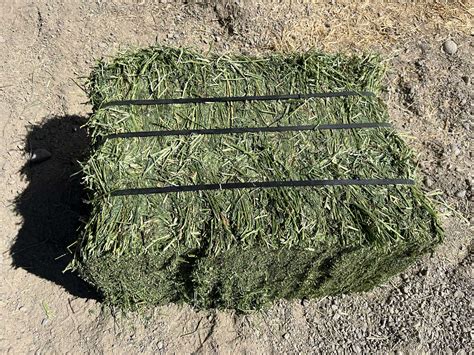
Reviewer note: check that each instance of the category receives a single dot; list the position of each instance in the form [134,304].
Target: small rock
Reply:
[22,309]
[450,47]
[103,45]
[286,336]
[160,345]
[428,181]
[455,150]
[40,155]
[406,289]
[460,194]
[466,79]
[45,321]
[305,302]
[458,294]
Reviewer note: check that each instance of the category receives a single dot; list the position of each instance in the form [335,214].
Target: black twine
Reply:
[189,132]
[261,184]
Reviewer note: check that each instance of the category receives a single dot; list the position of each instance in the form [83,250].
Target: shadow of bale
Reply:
[52,205]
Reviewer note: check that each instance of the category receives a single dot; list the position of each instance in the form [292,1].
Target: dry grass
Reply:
[347,25]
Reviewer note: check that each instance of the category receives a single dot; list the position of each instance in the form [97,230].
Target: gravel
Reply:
[428,182]
[455,149]
[450,47]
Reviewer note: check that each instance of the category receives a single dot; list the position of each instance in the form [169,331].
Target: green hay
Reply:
[243,249]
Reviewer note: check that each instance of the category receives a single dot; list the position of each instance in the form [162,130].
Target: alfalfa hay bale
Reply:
[243,248]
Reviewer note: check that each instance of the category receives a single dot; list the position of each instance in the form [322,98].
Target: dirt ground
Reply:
[46,46]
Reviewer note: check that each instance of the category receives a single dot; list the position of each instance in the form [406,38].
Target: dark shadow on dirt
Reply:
[52,205]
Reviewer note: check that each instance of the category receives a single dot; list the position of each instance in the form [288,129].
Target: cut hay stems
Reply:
[245,248]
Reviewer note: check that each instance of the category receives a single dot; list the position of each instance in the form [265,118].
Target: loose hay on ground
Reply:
[245,248]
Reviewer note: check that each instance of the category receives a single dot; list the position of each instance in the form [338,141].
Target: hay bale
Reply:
[244,248]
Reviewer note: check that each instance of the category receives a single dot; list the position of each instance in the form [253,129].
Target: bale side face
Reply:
[245,248]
